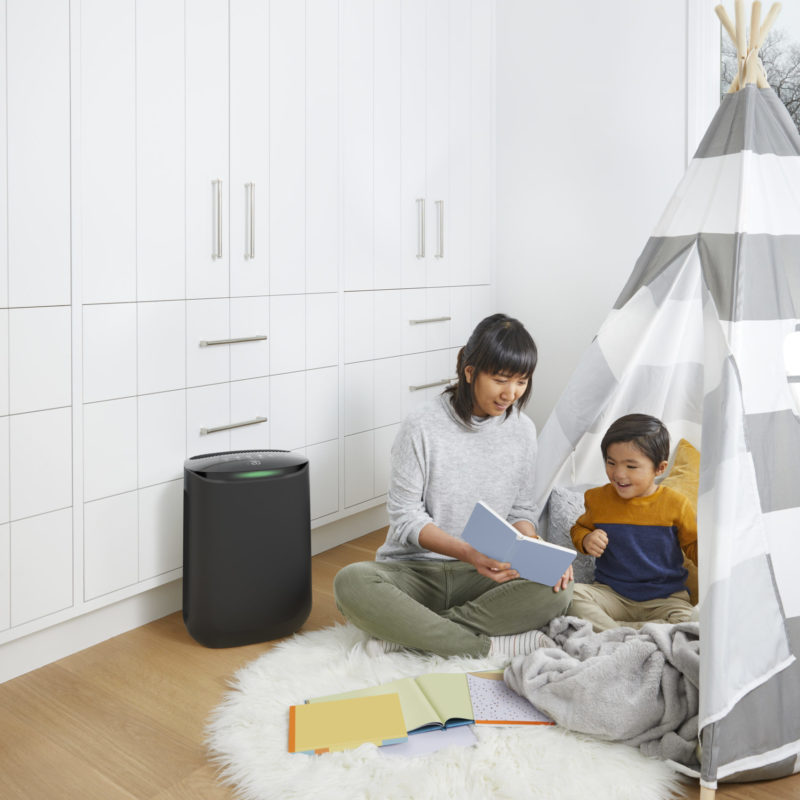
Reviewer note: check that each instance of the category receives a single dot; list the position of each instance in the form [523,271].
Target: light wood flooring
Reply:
[124,720]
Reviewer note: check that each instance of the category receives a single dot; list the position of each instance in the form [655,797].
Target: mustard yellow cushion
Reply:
[684,478]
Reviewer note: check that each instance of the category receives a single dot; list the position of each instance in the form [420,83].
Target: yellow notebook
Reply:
[345,724]
[429,702]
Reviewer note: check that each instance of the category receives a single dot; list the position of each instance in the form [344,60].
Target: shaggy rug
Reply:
[247,737]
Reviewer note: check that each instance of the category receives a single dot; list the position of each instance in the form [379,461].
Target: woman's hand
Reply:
[565,580]
[595,543]
[498,571]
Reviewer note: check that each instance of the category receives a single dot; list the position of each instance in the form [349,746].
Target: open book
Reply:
[495,703]
[534,559]
[346,724]
[429,702]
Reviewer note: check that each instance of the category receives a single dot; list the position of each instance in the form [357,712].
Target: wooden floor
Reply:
[125,719]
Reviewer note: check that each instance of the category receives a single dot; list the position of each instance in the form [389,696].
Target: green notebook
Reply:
[429,702]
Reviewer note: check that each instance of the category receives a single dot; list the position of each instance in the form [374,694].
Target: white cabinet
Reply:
[207,99]
[37,54]
[214,243]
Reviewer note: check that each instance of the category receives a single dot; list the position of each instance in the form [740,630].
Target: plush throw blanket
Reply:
[639,687]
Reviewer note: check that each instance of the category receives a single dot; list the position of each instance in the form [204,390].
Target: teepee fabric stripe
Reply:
[736,193]
[735,128]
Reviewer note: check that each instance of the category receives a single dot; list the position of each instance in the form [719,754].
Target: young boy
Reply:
[637,531]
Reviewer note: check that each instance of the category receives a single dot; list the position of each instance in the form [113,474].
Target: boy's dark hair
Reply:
[498,345]
[648,433]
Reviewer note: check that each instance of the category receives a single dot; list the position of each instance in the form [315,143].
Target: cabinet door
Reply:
[40,462]
[110,544]
[387,126]
[41,566]
[481,149]
[287,147]
[249,320]
[322,405]
[208,415]
[109,448]
[208,245]
[160,150]
[108,150]
[287,333]
[250,404]
[357,143]
[207,323]
[323,478]
[161,437]
[160,529]
[437,96]
[109,351]
[416,243]
[322,330]
[38,156]
[287,405]
[5,576]
[249,148]
[40,374]
[161,346]
[359,461]
[322,208]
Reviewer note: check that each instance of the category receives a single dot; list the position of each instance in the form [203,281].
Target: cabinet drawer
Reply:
[41,566]
[207,322]
[110,544]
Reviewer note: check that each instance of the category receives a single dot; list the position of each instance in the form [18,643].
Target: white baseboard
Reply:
[43,647]
[58,641]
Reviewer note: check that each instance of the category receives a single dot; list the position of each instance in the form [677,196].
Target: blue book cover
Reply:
[534,559]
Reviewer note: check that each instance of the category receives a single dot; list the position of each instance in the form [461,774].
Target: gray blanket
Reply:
[639,687]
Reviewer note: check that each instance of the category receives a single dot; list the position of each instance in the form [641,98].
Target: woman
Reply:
[429,589]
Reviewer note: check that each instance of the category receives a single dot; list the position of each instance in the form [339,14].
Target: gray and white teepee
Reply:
[697,338]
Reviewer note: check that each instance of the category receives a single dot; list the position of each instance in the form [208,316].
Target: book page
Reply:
[494,703]
[448,693]
[345,724]
[417,710]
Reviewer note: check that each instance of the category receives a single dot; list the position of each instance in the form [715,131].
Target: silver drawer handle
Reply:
[440,229]
[216,250]
[426,321]
[212,342]
[250,189]
[256,421]
[430,385]
[420,227]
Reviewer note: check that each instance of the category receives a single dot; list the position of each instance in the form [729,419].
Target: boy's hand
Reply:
[595,543]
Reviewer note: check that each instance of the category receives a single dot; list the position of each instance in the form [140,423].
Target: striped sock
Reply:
[519,644]
[375,647]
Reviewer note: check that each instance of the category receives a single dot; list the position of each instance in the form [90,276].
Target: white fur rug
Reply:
[248,737]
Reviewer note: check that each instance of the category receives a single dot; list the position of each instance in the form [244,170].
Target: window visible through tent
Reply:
[780,54]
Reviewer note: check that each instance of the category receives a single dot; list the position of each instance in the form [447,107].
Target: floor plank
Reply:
[124,720]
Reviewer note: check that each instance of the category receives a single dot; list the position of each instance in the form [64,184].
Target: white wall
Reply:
[595,121]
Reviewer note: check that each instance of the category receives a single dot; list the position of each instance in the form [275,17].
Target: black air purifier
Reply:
[246,546]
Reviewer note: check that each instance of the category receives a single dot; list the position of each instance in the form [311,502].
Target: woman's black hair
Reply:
[498,345]
[648,433]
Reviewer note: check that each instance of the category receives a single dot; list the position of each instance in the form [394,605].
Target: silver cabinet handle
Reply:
[250,249]
[443,382]
[426,321]
[216,250]
[212,342]
[256,421]
[420,227]
[440,229]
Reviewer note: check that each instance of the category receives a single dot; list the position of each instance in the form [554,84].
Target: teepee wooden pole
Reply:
[768,22]
[726,21]
[707,794]
[755,25]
